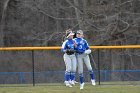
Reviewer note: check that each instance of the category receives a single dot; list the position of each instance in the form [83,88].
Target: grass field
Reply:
[61,88]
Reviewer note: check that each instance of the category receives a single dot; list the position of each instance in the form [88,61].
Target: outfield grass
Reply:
[61,88]
[121,83]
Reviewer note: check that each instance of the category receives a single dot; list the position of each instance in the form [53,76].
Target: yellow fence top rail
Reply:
[58,47]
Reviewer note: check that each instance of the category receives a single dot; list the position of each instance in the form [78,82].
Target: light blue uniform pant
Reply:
[71,65]
[70,62]
[83,58]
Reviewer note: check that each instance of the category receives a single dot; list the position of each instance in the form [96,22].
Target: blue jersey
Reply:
[68,44]
[82,45]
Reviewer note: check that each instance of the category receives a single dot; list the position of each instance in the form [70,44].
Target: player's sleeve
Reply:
[63,48]
[75,48]
[75,45]
[86,45]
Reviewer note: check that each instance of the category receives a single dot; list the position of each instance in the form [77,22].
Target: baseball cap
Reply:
[80,32]
[70,34]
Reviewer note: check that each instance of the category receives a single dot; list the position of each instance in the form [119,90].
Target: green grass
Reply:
[121,83]
[61,88]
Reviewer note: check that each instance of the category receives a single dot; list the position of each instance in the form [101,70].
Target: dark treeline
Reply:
[43,23]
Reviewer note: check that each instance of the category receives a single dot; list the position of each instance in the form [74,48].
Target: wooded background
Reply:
[43,23]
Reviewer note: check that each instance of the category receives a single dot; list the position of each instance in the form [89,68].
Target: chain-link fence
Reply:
[42,67]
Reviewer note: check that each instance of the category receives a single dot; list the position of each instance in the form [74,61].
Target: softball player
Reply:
[82,51]
[68,47]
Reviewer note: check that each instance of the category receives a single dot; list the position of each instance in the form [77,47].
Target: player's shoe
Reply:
[93,82]
[82,86]
[67,84]
[75,82]
[72,82]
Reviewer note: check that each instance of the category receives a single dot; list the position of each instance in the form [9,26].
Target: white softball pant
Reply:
[70,62]
[83,58]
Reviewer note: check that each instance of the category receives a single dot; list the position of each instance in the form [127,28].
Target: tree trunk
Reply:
[2,22]
[116,62]
[77,12]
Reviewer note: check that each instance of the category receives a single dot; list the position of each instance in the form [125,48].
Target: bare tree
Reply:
[43,23]
[2,21]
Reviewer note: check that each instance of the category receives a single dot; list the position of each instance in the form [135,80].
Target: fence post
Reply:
[33,72]
[99,65]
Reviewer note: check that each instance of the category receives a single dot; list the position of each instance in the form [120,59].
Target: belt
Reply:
[79,53]
[69,53]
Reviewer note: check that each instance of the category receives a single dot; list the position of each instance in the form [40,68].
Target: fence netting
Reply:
[44,67]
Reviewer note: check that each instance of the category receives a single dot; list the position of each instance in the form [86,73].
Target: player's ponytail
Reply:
[63,38]
[74,35]
[66,34]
